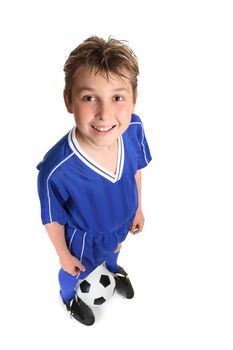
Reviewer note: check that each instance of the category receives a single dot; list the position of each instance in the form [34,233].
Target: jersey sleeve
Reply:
[52,199]
[143,151]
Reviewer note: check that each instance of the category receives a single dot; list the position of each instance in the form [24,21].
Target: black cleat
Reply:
[123,284]
[80,311]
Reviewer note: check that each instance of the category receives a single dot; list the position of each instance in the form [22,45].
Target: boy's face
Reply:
[102,107]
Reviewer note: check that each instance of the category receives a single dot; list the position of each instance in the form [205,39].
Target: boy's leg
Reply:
[77,308]
[111,262]
[123,284]
[67,285]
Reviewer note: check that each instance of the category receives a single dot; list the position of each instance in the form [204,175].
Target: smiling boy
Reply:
[90,182]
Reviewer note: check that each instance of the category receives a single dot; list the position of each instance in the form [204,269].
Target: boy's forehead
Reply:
[93,74]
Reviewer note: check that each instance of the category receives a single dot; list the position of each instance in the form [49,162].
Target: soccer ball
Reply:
[97,288]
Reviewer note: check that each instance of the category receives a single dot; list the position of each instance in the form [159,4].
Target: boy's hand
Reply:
[71,264]
[138,222]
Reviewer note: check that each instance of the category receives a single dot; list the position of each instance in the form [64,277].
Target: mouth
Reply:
[103,129]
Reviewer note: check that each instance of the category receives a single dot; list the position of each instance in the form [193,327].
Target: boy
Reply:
[90,182]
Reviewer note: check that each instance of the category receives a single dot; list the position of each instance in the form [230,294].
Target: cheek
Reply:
[83,113]
[81,110]
[125,115]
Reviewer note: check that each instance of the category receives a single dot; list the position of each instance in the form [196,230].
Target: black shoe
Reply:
[80,311]
[123,284]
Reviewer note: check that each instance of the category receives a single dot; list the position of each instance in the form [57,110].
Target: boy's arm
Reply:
[68,262]
[138,221]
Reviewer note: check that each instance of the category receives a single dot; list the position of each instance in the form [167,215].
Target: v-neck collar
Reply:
[74,145]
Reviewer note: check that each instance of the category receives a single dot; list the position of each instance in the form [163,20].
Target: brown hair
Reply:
[103,56]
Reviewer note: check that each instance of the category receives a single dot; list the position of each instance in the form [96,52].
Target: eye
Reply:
[118,98]
[88,98]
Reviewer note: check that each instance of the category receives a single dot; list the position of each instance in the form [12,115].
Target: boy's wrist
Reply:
[64,253]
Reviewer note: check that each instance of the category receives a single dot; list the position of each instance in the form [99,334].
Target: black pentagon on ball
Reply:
[99,301]
[105,280]
[85,286]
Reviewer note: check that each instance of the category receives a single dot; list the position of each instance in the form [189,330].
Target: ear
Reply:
[67,102]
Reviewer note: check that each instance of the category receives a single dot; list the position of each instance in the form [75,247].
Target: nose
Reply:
[103,111]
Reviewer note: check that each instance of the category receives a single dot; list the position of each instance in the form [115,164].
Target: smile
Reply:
[103,128]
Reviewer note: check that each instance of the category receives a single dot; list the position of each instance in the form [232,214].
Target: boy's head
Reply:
[105,57]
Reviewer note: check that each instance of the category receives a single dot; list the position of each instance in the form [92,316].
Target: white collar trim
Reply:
[74,145]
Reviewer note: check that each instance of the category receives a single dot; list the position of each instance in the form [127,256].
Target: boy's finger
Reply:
[133,228]
[79,266]
[136,229]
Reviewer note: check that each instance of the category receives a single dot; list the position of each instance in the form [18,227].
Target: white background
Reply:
[181,265]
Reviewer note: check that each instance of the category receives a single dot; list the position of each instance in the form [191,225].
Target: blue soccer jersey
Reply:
[77,192]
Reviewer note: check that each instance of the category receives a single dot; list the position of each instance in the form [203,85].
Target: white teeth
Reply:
[102,129]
